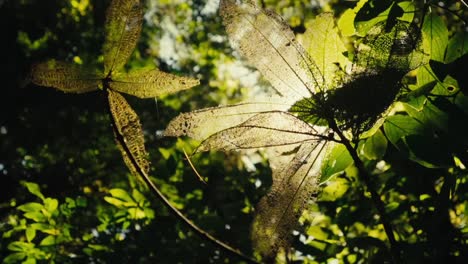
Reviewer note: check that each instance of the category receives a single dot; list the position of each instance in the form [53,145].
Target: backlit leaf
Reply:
[66,77]
[457,47]
[268,43]
[375,146]
[435,36]
[123,27]
[203,123]
[324,45]
[337,160]
[278,211]
[150,83]
[128,128]
[399,126]
[262,130]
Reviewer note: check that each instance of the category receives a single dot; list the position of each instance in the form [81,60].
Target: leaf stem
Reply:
[378,203]
[155,190]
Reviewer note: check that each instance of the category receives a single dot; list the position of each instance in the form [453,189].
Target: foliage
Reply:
[82,201]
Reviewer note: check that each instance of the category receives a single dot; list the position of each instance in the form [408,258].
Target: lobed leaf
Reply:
[292,189]
[203,123]
[268,43]
[123,26]
[151,83]
[66,77]
[268,129]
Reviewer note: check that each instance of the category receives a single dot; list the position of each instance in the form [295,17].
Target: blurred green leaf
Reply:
[375,146]
[33,188]
[30,234]
[48,241]
[30,207]
[337,161]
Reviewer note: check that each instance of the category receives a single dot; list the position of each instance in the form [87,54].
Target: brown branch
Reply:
[155,190]
[378,203]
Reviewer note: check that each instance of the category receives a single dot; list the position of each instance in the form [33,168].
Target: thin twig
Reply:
[155,190]
[379,205]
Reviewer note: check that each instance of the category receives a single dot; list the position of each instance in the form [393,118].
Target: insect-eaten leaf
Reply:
[128,133]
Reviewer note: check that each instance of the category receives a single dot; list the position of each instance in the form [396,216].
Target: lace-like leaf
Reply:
[203,123]
[66,77]
[150,83]
[123,27]
[128,127]
[262,130]
[268,43]
[293,187]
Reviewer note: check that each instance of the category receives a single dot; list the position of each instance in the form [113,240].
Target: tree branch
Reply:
[379,205]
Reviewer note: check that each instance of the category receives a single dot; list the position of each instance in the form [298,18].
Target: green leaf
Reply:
[136,213]
[334,189]
[435,38]
[375,146]
[121,194]
[30,233]
[33,188]
[399,126]
[346,21]
[337,160]
[30,260]
[14,258]
[48,241]
[115,201]
[138,197]
[36,216]
[434,155]
[31,207]
[457,46]
[45,228]
[50,204]
[323,43]
[20,246]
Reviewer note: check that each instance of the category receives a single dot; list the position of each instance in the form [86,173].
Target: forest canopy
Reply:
[280,131]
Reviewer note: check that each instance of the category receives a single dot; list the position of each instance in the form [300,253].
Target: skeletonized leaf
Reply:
[203,123]
[128,128]
[268,43]
[66,77]
[324,45]
[292,189]
[151,83]
[123,26]
[262,130]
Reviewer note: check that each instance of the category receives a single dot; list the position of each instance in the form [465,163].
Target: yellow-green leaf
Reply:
[123,27]
[435,37]
[150,83]
[324,45]
[66,77]
[129,130]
